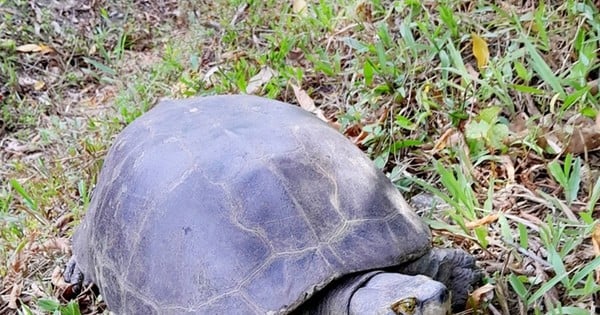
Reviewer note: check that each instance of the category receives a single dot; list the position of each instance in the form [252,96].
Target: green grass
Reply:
[403,75]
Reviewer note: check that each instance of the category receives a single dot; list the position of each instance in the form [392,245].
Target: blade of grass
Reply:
[541,67]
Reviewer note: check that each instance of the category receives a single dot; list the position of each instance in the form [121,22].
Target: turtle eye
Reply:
[405,306]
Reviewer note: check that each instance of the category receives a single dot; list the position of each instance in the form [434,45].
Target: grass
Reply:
[399,78]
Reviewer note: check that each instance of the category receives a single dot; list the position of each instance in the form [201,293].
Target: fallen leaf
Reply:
[62,221]
[207,79]
[307,103]
[26,81]
[234,55]
[480,51]
[38,85]
[356,133]
[13,146]
[58,279]
[596,247]
[37,291]
[299,6]
[60,244]
[510,168]
[29,48]
[472,72]
[17,287]
[240,14]
[450,138]
[574,133]
[480,296]
[518,124]
[585,136]
[46,49]
[364,11]
[256,82]
[383,115]
[353,130]
[358,140]
[593,85]
[483,221]
[33,48]
[19,261]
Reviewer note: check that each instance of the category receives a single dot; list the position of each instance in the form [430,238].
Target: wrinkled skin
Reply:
[406,290]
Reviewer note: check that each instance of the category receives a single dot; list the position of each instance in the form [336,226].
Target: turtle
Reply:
[247,205]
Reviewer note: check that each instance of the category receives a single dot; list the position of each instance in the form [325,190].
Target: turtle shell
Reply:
[237,203]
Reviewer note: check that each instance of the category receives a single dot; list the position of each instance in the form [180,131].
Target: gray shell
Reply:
[237,203]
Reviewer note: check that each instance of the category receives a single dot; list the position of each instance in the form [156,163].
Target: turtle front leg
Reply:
[453,267]
[73,275]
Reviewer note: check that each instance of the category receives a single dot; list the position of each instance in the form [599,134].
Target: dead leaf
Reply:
[299,7]
[353,130]
[58,279]
[480,296]
[593,85]
[24,80]
[207,79]
[38,85]
[60,244]
[364,11]
[358,140]
[510,168]
[240,14]
[585,136]
[575,134]
[256,82]
[37,291]
[33,48]
[234,55]
[383,115]
[14,147]
[19,260]
[483,221]
[450,138]
[307,103]
[28,48]
[62,221]
[571,132]
[46,49]
[472,72]
[17,288]
[596,247]
[480,51]
[519,123]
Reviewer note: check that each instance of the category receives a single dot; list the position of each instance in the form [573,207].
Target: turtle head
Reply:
[398,294]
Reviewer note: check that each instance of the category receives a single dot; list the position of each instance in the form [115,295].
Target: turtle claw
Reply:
[73,275]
